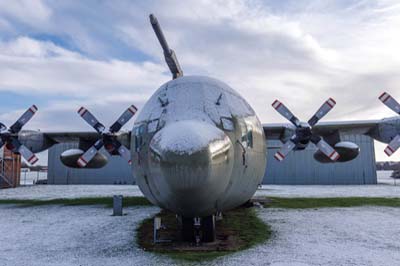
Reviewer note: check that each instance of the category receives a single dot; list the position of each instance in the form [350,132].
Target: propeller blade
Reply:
[393,146]
[325,148]
[90,153]
[390,102]
[125,153]
[28,155]
[25,117]
[91,119]
[284,151]
[123,119]
[285,112]
[322,111]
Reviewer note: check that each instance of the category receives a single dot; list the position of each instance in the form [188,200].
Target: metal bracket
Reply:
[156,228]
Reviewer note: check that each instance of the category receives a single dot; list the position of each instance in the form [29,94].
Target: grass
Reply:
[305,203]
[244,228]
[272,202]
[106,201]
[250,228]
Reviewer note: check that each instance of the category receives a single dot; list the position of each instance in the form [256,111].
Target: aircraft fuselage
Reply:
[197,147]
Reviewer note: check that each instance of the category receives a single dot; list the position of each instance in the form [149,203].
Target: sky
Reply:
[104,55]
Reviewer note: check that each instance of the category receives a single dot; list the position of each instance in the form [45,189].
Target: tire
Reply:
[208,229]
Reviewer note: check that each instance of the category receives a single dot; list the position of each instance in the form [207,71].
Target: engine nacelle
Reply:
[347,151]
[70,159]
[35,140]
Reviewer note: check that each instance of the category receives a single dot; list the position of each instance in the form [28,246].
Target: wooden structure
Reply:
[10,169]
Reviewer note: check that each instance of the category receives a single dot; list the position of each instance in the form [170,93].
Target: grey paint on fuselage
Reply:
[386,130]
[197,147]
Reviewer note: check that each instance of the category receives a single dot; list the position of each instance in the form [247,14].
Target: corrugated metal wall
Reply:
[117,170]
[300,168]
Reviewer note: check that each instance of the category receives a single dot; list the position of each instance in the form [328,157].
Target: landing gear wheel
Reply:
[208,228]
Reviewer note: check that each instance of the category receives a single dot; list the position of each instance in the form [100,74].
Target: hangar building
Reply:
[298,168]
[117,170]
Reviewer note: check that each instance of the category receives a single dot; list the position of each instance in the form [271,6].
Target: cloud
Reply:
[104,54]
[31,66]
[27,11]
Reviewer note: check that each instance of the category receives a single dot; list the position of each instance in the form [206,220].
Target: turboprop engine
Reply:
[347,151]
[70,159]
[35,141]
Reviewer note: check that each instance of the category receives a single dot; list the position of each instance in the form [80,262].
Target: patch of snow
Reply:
[328,236]
[67,236]
[328,191]
[194,97]
[47,192]
[386,188]
[71,152]
[186,137]
[346,144]
[89,235]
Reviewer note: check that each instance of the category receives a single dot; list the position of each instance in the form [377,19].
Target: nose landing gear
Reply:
[198,229]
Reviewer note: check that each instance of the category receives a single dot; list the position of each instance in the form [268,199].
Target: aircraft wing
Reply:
[61,137]
[283,131]
[84,139]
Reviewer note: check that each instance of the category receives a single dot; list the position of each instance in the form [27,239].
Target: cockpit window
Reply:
[139,131]
[250,138]
[227,124]
[247,135]
[152,126]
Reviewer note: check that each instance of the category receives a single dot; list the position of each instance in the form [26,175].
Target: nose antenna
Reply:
[169,54]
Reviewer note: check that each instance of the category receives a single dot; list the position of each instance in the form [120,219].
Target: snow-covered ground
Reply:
[329,236]
[45,192]
[88,235]
[56,235]
[330,191]
[385,188]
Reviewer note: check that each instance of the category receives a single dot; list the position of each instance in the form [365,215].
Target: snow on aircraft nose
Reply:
[194,159]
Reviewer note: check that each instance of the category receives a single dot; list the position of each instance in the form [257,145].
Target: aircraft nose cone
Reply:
[194,159]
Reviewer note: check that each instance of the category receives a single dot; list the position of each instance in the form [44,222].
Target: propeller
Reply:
[390,102]
[304,131]
[108,139]
[9,136]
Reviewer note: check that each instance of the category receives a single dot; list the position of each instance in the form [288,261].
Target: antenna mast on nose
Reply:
[169,54]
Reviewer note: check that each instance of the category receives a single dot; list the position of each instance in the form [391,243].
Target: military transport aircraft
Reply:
[197,148]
